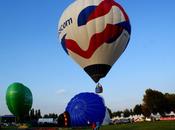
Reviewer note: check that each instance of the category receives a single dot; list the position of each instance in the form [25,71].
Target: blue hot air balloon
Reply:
[86,109]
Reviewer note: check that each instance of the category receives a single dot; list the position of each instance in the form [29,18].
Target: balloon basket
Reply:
[99,88]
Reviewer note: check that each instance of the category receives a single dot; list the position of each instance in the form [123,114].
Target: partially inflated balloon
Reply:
[94,33]
[19,99]
[107,119]
[85,109]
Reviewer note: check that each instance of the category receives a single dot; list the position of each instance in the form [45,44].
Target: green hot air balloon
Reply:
[19,100]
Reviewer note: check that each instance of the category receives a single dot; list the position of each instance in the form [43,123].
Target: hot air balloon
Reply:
[107,119]
[85,109]
[64,120]
[94,33]
[19,99]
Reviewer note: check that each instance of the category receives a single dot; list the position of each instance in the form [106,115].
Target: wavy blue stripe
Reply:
[126,25]
[63,43]
[84,15]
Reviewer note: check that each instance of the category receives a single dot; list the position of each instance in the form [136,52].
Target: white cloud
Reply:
[61,91]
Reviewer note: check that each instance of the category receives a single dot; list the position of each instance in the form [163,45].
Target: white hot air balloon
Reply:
[94,33]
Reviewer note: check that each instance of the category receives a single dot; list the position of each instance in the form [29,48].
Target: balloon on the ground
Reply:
[94,33]
[19,99]
[64,120]
[85,109]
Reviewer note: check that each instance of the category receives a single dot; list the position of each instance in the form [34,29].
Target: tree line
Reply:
[153,102]
[36,114]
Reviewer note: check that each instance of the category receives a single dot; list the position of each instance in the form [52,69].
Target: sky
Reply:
[31,53]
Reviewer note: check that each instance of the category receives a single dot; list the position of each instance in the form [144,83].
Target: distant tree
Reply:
[117,113]
[37,114]
[50,115]
[154,101]
[145,111]
[138,109]
[131,112]
[126,113]
[170,98]
[46,116]
[53,115]
[31,114]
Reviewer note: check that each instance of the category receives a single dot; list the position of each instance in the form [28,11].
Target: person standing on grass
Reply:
[97,126]
[93,126]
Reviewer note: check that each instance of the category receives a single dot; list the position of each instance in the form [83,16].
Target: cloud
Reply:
[61,91]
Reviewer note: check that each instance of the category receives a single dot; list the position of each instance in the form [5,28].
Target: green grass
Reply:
[160,125]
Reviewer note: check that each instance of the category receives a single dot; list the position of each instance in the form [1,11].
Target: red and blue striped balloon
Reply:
[94,33]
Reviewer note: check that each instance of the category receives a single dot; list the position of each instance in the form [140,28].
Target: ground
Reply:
[160,125]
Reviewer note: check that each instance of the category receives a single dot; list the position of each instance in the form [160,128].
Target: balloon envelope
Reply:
[94,33]
[19,99]
[85,109]
[107,119]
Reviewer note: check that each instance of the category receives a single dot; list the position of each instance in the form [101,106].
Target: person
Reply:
[97,126]
[93,126]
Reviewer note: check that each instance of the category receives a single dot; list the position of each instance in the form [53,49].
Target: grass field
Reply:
[160,125]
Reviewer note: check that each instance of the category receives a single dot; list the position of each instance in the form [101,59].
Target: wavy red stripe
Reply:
[110,32]
[104,7]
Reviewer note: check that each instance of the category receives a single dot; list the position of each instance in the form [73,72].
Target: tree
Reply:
[118,113]
[145,111]
[51,115]
[46,116]
[138,109]
[39,114]
[126,113]
[170,98]
[35,114]
[154,101]
[131,112]
[31,114]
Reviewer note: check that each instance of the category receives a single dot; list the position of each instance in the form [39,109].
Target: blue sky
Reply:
[30,53]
